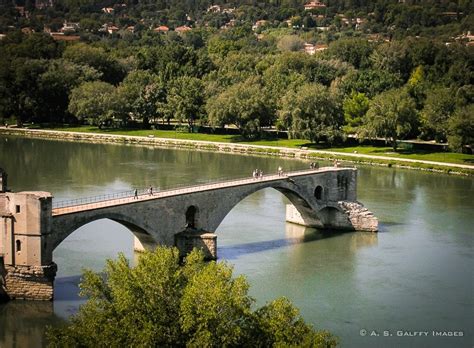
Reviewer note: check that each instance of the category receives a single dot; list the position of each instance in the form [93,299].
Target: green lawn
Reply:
[448,157]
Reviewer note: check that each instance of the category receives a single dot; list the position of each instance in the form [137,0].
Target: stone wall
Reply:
[30,282]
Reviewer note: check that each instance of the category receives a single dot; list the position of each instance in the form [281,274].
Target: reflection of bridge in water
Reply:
[185,217]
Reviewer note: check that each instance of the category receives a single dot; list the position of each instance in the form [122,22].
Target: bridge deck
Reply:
[76,205]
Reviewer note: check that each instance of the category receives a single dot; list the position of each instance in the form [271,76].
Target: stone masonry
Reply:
[188,240]
[360,217]
[30,282]
[30,229]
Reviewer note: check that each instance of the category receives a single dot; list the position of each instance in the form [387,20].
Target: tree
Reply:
[311,112]
[186,99]
[152,102]
[19,91]
[129,91]
[439,106]
[243,105]
[291,43]
[161,303]
[96,57]
[370,82]
[56,84]
[355,107]
[391,115]
[393,57]
[461,128]
[353,51]
[92,101]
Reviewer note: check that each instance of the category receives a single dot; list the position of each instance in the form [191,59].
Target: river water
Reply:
[415,275]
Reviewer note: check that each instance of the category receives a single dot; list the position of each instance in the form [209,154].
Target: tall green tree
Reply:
[186,99]
[151,104]
[244,105]
[92,101]
[392,115]
[312,112]
[161,303]
[355,107]
[439,106]
[461,128]
[56,84]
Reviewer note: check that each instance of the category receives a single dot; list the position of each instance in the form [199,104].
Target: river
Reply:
[371,290]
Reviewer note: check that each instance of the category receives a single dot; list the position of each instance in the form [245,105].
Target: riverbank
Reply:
[303,153]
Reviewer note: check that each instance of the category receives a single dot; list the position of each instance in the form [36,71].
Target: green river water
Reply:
[415,275]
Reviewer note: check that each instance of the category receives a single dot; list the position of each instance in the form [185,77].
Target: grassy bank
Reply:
[444,157]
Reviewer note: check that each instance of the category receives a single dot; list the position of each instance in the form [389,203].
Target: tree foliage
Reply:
[92,101]
[461,128]
[355,107]
[186,99]
[244,105]
[290,43]
[391,115]
[373,47]
[312,112]
[161,303]
[438,108]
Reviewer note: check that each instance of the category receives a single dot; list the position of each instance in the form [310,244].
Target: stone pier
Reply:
[189,239]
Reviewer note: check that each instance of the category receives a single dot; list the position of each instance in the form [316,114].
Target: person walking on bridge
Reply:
[135,194]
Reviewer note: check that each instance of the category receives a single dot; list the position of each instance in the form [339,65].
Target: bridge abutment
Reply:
[28,270]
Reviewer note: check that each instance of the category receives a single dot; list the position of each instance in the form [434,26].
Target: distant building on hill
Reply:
[182,29]
[42,4]
[108,10]
[161,29]
[313,5]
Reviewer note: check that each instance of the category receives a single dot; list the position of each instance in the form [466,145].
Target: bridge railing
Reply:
[215,182]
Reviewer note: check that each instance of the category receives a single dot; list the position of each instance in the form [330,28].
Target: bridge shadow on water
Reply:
[301,235]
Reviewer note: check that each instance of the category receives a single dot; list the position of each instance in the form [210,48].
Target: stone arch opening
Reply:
[18,245]
[90,243]
[64,226]
[192,216]
[318,192]
[300,201]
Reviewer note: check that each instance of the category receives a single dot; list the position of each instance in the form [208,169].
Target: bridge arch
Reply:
[63,227]
[303,200]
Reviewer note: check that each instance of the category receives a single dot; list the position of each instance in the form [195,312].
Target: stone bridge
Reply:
[186,217]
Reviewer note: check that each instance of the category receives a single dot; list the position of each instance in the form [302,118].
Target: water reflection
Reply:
[22,323]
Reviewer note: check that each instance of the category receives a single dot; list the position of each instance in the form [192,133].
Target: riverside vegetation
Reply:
[160,302]
[392,70]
